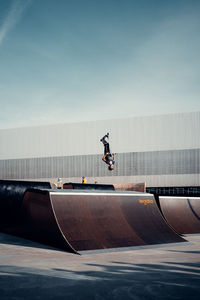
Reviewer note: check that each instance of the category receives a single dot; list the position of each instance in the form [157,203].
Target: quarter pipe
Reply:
[11,196]
[139,187]
[82,220]
[182,213]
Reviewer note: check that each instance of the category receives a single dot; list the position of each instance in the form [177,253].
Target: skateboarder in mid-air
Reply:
[108,158]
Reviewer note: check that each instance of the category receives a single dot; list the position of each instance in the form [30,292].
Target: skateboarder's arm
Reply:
[104,158]
[113,156]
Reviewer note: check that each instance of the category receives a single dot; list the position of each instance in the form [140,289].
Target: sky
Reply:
[64,61]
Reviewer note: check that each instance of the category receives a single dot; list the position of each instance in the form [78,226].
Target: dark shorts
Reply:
[106,148]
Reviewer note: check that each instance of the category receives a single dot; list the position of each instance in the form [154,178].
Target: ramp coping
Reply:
[176,197]
[103,194]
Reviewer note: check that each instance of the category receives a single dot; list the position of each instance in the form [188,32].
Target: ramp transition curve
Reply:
[80,220]
[182,213]
[11,196]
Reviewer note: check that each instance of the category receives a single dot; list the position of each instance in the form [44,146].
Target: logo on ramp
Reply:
[146,201]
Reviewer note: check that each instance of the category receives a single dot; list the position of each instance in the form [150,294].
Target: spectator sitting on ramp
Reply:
[108,158]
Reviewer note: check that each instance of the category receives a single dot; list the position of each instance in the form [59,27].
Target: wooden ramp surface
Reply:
[182,213]
[79,220]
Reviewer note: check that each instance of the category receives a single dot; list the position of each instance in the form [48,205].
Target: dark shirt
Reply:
[109,158]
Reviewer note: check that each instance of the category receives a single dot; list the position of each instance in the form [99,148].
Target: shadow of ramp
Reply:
[8,239]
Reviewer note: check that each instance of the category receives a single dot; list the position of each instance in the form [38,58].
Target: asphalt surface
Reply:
[30,270]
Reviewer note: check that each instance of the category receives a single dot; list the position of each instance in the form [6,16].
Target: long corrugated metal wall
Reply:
[145,146]
[127,164]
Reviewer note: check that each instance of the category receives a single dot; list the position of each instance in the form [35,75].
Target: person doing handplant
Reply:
[108,158]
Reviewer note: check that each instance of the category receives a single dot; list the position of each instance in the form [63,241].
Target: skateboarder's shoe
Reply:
[107,135]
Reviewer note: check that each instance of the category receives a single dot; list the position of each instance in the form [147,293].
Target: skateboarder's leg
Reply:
[103,140]
[106,148]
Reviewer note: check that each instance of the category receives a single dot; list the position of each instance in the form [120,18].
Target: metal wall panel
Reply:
[137,134]
[127,164]
[149,148]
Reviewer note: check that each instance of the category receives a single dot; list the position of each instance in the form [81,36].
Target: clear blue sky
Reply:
[77,60]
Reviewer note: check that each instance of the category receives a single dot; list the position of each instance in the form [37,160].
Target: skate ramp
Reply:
[139,187]
[182,213]
[80,220]
[87,186]
[11,196]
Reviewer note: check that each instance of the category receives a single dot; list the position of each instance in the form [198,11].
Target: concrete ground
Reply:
[30,270]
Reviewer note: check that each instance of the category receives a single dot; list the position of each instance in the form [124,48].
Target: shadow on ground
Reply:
[15,240]
[185,251]
[117,281]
